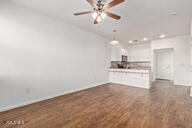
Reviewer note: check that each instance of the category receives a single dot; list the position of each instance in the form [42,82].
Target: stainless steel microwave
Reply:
[124,58]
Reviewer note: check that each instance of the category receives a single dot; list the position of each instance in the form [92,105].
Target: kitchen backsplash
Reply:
[139,64]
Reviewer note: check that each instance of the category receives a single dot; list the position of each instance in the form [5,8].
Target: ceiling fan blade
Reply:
[112,4]
[95,21]
[113,15]
[82,13]
[91,2]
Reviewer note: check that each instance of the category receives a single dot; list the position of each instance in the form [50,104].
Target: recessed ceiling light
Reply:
[130,41]
[145,39]
[162,36]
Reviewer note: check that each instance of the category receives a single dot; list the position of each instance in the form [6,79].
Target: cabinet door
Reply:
[115,53]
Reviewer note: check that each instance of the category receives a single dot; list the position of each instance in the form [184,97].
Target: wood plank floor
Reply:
[109,106]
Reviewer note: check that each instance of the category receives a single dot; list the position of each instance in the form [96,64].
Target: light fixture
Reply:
[130,41]
[99,18]
[94,15]
[145,39]
[114,41]
[162,36]
[103,15]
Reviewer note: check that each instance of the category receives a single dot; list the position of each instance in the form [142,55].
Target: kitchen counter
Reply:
[137,77]
[135,70]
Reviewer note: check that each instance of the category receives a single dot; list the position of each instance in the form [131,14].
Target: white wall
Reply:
[191,59]
[140,52]
[181,56]
[191,44]
[42,57]
[191,66]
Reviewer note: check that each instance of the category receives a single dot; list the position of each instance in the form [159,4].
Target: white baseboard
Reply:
[45,98]
[181,84]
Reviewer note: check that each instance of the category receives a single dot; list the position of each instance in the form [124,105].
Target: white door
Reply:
[163,64]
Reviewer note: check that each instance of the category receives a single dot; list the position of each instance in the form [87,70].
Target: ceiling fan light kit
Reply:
[94,15]
[100,10]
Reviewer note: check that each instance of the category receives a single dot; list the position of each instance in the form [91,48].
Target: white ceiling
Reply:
[140,18]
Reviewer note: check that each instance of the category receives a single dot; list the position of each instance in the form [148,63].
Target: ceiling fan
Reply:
[99,10]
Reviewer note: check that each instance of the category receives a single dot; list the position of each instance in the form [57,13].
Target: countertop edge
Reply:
[138,71]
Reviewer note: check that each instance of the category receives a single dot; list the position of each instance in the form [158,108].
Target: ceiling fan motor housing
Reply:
[100,5]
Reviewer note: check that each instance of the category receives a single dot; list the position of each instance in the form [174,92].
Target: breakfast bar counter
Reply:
[131,77]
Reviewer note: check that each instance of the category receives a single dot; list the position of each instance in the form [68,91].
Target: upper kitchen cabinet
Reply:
[139,52]
[116,52]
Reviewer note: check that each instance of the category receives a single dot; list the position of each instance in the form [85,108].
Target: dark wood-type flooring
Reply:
[109,106]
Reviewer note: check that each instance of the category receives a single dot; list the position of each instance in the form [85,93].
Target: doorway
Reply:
[164,64]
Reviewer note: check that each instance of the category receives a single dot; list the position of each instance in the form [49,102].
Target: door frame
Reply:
[155,61]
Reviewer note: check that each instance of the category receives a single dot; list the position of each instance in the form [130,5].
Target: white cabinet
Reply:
[116,52]
[136,78]
[140,52]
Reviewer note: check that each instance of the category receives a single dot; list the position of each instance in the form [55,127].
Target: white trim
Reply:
[191,92]
[181,84]
[45,98]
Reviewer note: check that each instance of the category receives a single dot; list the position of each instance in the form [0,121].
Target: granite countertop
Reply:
[135,68]
[141,68]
